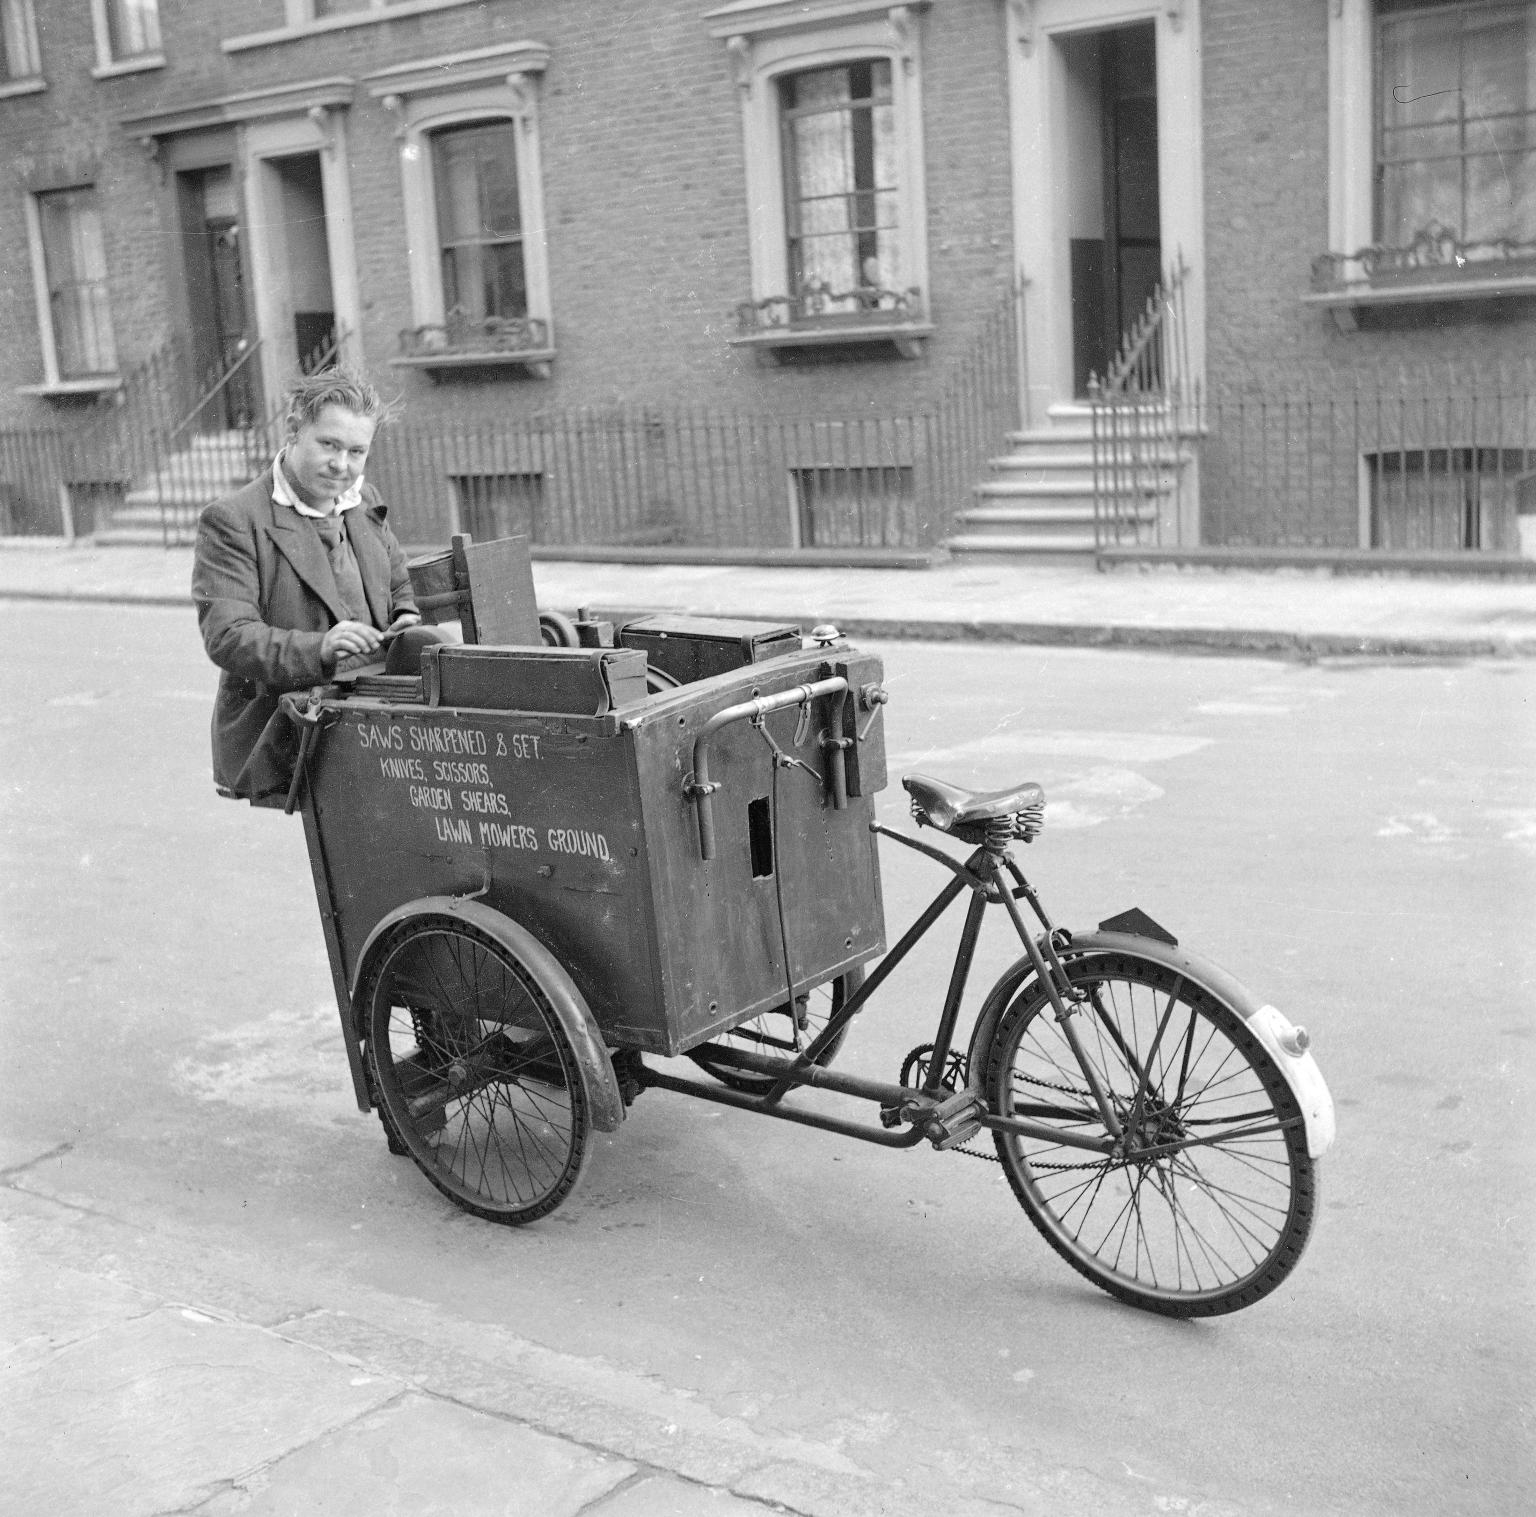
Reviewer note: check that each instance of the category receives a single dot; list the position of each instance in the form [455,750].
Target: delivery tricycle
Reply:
[548,868]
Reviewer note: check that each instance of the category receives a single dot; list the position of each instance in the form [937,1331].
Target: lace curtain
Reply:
[1458,144]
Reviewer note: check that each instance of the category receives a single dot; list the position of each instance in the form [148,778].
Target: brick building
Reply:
[787,272]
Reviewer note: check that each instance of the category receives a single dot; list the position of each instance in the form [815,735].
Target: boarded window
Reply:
[1445,499]
[859,506]
[500,505]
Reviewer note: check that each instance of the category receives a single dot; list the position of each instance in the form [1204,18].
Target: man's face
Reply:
[325,456]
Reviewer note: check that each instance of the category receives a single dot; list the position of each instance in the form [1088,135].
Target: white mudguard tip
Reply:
[1275,1032]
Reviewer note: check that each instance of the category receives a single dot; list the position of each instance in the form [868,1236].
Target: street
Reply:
[1356,840]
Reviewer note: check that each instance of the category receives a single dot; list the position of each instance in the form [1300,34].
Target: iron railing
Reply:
[1146,414]
[1417,461]
[58,481]
[638,475]
[1433,255]
[654,475]
[816,304]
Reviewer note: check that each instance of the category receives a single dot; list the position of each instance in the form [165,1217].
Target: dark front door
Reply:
[216,297]
[1113,276]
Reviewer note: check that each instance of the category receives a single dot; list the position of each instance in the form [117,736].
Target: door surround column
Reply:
[318,130]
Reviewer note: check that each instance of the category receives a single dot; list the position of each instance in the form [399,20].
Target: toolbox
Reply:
[689,648]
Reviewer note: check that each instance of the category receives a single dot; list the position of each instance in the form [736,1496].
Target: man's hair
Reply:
[341,386]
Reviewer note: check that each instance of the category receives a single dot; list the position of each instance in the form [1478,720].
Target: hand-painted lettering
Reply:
[453,830]
[525,745]
[591,845]
[431,798]
[485,801]
[464,740]
[401,769]
[508,835]
[373,735]
[455,772]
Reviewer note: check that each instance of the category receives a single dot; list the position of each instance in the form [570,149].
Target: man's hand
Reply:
[402,621]
[346,640]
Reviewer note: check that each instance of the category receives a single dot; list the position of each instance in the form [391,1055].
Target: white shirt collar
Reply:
[285,495]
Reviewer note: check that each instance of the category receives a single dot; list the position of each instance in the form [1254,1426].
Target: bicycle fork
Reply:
[1053,975]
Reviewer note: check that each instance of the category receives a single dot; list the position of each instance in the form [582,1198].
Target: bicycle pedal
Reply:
[957,1120]
[961,1134]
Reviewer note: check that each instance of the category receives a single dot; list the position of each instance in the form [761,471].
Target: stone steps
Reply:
[1039,497]
[164,507]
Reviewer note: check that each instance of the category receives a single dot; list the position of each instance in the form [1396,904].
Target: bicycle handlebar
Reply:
[701,788]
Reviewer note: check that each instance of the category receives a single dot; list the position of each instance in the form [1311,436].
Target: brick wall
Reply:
[1297,401]
[641,141]
[1266,170]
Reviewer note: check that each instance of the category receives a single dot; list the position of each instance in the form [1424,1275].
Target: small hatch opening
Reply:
[760,838]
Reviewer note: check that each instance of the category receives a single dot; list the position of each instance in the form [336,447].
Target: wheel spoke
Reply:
[476,1072]
[1206,1204]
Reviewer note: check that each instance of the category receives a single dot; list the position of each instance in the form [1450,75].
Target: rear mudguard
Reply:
[605,1106]
[1266,1023]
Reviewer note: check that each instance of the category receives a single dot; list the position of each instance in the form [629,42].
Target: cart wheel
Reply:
[474,1073]
[557,631]
[772,1033]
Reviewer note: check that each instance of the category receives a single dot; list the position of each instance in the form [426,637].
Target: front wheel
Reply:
[1208,1204]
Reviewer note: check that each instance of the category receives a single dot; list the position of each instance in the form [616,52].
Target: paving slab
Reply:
[664,1496]
[42,1312]
[424,1457]
[156,1413]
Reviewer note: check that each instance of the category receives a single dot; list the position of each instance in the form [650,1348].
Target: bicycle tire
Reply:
[1218,1210]
[474,1074]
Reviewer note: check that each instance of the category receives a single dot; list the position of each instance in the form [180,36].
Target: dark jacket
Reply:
[265,599]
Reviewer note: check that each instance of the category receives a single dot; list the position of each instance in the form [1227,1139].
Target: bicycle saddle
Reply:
[966,813]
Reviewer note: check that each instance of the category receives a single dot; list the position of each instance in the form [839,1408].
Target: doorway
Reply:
[305,260]
[216,296]
[1115,210]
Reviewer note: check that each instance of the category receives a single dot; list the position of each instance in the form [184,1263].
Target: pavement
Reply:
[1287,612]
[132,1382]
[140,1376]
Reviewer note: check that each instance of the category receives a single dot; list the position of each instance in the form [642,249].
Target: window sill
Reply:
[907,337]
[537,361]
[32,85]
[129,66]
[345,22]
[66,389]
[1345,300]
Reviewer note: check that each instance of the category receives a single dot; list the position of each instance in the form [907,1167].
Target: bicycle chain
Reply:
[986,1158]
[1066,1090]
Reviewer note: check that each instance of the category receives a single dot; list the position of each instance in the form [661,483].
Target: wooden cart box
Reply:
[582,829]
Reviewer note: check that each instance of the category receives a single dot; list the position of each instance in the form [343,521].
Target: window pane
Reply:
[134,27]
[479,221]
[75,266]
[1458,123]
[18,58]
[839,143]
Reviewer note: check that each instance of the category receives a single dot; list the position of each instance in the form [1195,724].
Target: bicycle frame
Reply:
[930,1110]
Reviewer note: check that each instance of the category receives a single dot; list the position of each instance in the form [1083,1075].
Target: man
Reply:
[293,573]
